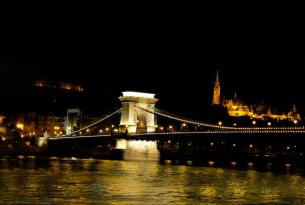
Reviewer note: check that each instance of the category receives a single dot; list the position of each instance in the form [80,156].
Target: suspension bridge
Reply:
[138,122]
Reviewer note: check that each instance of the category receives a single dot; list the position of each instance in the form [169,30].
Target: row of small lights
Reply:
[220,132]
[288,147]
[95,123]
[107,129]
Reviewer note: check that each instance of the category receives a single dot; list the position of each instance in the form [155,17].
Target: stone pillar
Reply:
[133,119]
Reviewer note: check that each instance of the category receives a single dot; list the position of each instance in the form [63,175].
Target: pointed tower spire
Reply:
[269,112]
[251,108]
[235,96]
[216,93]
[294,109]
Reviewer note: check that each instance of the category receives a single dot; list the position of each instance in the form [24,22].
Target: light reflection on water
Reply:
[90,181]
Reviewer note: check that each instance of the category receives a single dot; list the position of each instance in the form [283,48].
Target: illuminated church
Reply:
[238,108]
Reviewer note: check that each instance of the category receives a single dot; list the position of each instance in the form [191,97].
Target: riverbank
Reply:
[24,150]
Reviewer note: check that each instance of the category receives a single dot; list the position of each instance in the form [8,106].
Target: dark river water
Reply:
[89,181]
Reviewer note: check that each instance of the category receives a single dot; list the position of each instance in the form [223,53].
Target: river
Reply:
[28,180]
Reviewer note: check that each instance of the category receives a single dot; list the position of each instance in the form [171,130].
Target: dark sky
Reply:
[173,52]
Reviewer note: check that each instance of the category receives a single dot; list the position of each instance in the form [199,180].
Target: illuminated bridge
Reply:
[138,123]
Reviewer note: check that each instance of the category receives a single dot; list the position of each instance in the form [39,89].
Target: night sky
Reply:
[174,53]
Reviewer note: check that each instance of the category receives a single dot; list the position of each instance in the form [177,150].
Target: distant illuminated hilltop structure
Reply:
[59,85]
[238,108]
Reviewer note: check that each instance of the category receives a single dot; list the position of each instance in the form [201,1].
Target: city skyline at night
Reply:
[166,103]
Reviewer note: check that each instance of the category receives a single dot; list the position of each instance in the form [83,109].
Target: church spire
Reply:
[269,113]
[216,93]
[235,96]
[294,109]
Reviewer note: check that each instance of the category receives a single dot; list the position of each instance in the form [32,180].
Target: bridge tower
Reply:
[73,120]
[134,119]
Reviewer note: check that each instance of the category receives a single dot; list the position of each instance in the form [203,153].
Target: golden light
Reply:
[138,94]
[219,123]
[101,131]
[233,164]
[251,146]
[107,129]
[162,128]
[112,126]
[269,124]
[250,164]
[56,128]
[211,163]
[295,121]
[183,124]
[253,122]
[20,126]
[234,124]
[88,130]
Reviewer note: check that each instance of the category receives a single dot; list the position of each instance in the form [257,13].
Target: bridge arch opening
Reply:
[133,119]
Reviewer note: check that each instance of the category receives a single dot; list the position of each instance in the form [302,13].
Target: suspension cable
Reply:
[95,123]
[185,120]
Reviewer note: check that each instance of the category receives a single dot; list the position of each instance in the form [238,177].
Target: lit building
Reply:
[27,122]
[34,124]
[54,125]
[3,129]
[238,108]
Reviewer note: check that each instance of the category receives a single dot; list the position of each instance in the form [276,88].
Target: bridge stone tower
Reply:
[133,119]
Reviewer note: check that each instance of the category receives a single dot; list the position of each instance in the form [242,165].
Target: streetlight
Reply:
[269,124]
[253,122]
[183,126]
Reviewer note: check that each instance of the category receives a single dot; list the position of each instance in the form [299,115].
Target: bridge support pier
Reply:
[139,150]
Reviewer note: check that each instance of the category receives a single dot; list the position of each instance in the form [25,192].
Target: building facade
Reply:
[238,108]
